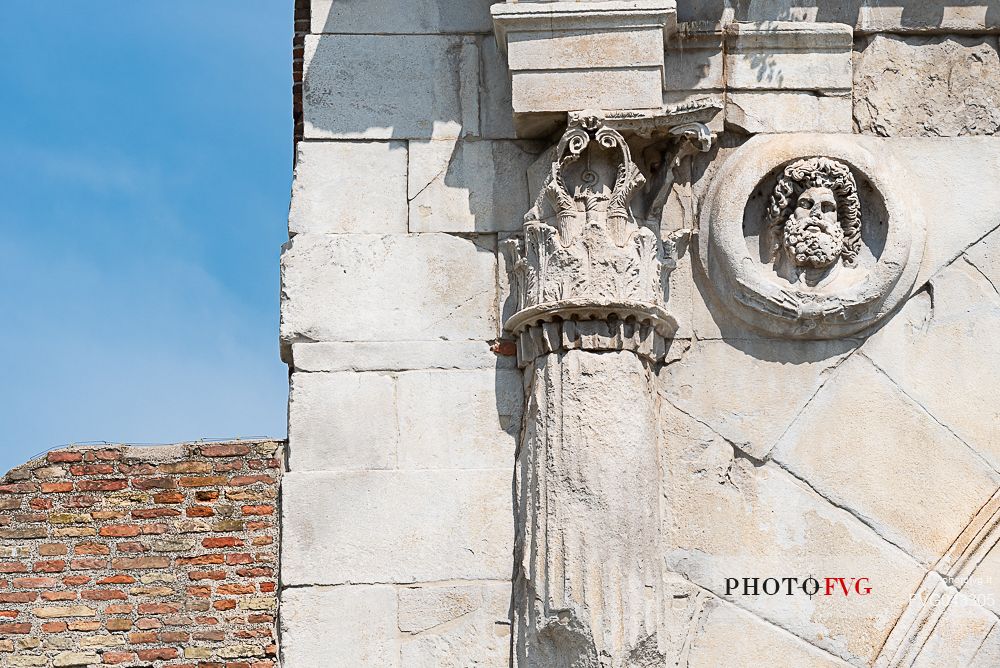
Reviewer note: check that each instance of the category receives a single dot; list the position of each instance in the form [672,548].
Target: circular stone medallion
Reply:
[810,236]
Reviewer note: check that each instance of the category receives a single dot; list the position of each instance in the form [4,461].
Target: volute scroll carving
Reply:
[585,254]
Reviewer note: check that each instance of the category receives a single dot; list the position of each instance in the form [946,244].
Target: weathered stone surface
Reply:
[325,432]
[458,419]
[396,526]
[469,186]
[388,288]
[778,55]
[768,112]
[334,189]
[695,60]
[758,386]
[394,356]
[357,625]
[574,56]
[434,82]
[867,16]
[455,626]
[858,433]
[496,111]
[930,349]
[389,16]
[728,517]
[947,176]
[728,637]
[937,86]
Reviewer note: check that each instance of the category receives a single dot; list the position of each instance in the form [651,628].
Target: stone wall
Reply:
[403,409]
[862,449]
[141,556]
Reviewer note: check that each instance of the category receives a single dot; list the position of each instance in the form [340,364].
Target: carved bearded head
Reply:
[815,214]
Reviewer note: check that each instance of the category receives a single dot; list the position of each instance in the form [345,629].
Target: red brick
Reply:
[76,580]
[54,566]
[56,487]
[119,624]
[35,583]
[228,450]
[203,481]
[88,564]
[258,510]
[19,488]
[210,636]
[225,604]
[140,563]
[52,549]
[91,548]
[136,469]
[201,560]
[174,636]
[207,495]
[9,614]
[169,497]
[154,483]
[64,457]
[19,597]
[200,511]
[155,513]
[240,558]
[59,595]
[148,623]
[132,547]
[92,469]
[142,638]
[118,609]
[15,629]
[261,619]
[268,587]
[117,580]
[199,592]
[120,531]
[259,572]
[212,543]
[162,654]
[154,529]
[236,589]
[106,455]
[101,485]
[54,627]
[41,504]
[82,501]
[244,480]
[103,595]
[13,567]
[113,658]
[207,575]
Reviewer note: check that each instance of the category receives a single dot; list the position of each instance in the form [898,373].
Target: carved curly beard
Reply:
[812,248]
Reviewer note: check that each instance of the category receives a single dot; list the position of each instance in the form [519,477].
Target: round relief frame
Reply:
[743,283]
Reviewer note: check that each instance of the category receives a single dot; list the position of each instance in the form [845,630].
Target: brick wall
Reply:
[141,556]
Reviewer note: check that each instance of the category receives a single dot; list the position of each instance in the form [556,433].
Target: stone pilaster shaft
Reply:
[591,325]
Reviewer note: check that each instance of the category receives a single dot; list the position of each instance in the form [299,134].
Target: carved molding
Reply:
[810,236]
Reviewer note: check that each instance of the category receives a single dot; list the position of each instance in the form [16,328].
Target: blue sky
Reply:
[145,163]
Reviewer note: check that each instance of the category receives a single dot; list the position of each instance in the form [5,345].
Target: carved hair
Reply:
[818,173]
